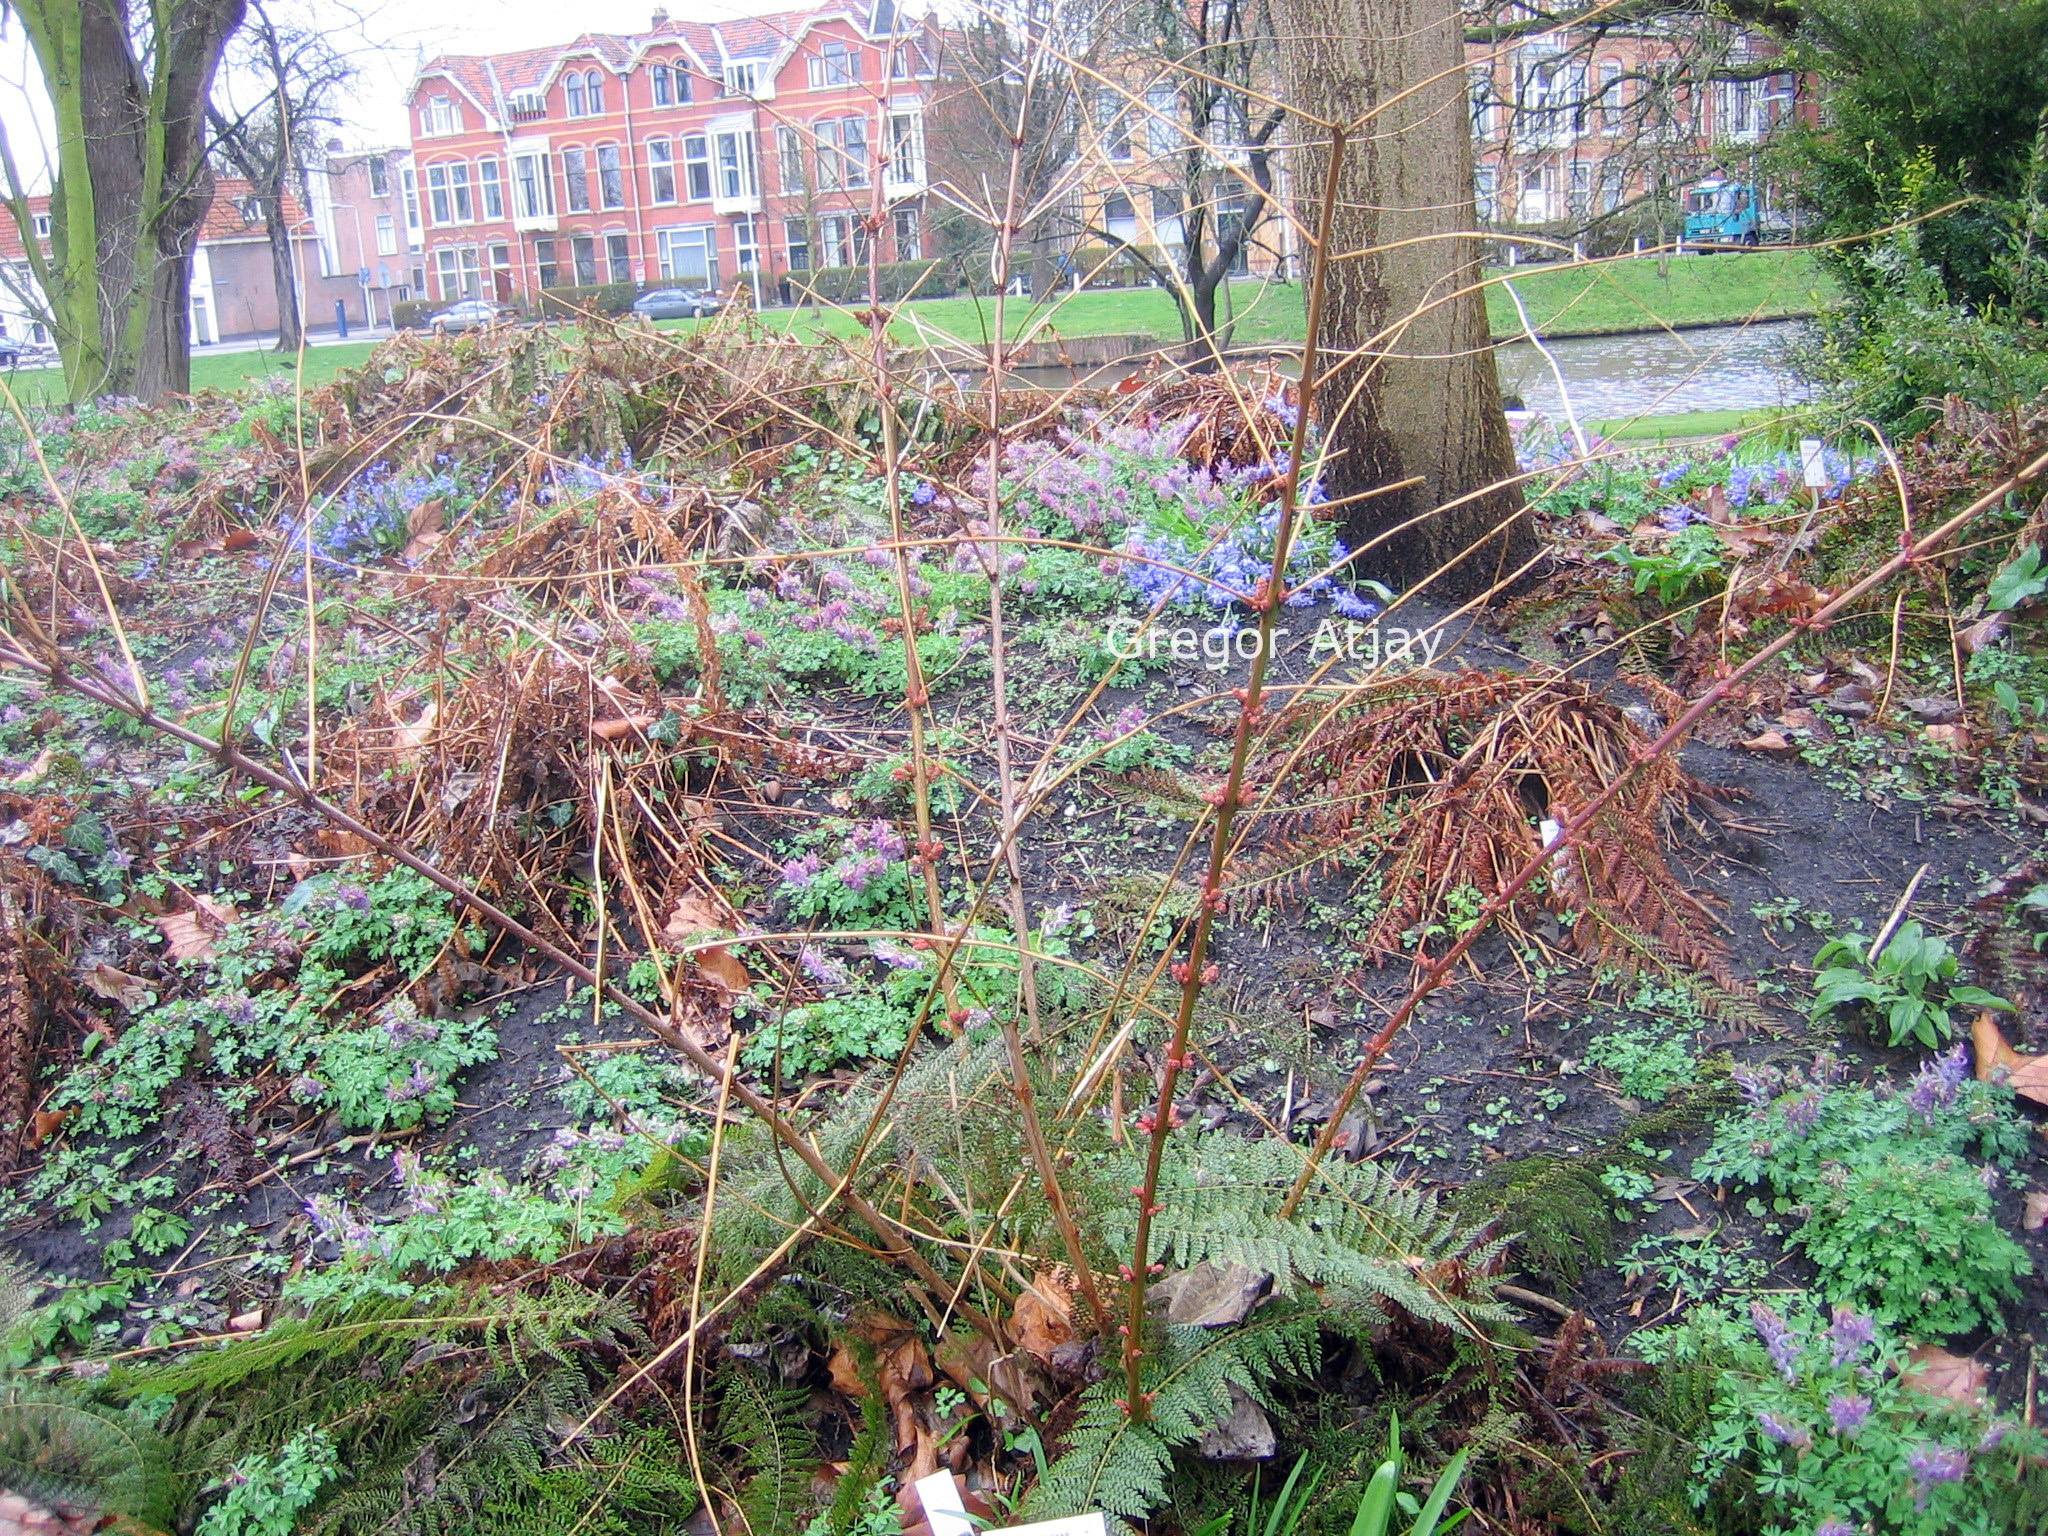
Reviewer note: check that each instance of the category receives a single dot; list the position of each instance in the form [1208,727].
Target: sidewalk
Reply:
[318,336]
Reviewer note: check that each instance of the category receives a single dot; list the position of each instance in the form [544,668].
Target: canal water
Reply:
[1658,373]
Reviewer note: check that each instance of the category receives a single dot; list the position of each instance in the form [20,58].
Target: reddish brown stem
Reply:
[1440,969]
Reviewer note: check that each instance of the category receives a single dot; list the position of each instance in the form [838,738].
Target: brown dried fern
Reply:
[1448,779]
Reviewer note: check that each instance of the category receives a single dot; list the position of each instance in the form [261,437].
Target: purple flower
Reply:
[1794,1435]
[417,1086]
[307,1087]
[1351,605]
[878,837]
[1937,1083]
[1850,1333]
[822,968]
[1834,1528]
[895,956]
[1848,1413]
[1755,1086]
[1932,1464]
[856,873]
[1777,1337]
[924,494]
[353,896]
[1803,1113]
[1993,1437]
[799,873]
[404,1030]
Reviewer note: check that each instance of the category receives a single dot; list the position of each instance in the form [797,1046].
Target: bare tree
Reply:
[128,92]
[295,77]
[1011,78]
[1414,399]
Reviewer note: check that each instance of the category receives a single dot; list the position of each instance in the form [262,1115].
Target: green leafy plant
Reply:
[1817,1411]
[1891,1208]
[264,1494]
[2022,579]
[1687,559]
[1908,983]
[1384,1495]
[1649,1062]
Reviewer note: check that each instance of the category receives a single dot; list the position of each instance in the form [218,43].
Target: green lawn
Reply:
[1576,300]
[1586,299]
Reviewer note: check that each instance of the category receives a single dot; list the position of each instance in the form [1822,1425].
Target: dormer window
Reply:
[527,106]
[662,80]
[42,226]
[742,79]
[440,117]
[593,85]
[835,64]
[578,107]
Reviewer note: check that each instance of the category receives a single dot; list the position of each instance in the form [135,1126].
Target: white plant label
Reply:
[1813,463]
[946,1514]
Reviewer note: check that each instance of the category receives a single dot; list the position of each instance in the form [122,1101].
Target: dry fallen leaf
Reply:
[2036,1212]
[246,1322]
[187,934]
[117,986]
[45,1123]
[1043,1318]
[718,963]
[410,738]
[1954,737]
[612,730]
[2027,1076]
[1938,1373]
[693,915]
[1771,743]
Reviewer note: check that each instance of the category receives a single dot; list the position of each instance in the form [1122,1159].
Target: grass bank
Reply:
[1580,300]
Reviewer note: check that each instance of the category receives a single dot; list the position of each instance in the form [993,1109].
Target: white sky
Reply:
[389,38]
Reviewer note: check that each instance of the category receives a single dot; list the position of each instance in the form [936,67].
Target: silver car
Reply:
[469,315]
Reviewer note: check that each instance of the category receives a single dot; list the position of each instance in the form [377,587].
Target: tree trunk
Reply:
[1416,394]
[283,276]
[131,188]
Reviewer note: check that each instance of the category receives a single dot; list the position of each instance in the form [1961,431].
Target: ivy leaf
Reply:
[2022,580]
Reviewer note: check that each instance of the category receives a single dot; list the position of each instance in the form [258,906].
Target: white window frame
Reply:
[611,178]
[700,238]
[734,173]
[742,77]
[835,64]
[906,148]
[490,188]
[697,167]
[661,167]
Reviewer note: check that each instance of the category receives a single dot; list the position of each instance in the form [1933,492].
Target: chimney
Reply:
[660,19]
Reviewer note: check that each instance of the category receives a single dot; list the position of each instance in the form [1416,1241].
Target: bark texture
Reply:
[1416,393]
[132,186]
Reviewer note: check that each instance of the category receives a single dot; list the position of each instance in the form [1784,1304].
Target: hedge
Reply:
[894,281]
[595,298]
[1103,266]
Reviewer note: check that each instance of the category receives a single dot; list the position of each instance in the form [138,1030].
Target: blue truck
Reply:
[1723,213]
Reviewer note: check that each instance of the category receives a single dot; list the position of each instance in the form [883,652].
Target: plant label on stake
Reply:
[1813,464]
[946,1514]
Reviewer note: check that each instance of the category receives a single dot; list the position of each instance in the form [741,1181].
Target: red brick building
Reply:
[703,155]
[233,287]
[1576,124]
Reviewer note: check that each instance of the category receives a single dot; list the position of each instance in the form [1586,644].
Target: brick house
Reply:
[696,154]
[1570,126]
[365,216]
[233,294]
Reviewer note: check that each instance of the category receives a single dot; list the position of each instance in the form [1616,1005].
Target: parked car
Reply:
[469,315]
[678,304]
